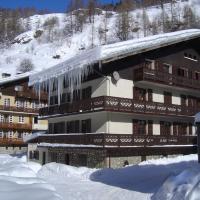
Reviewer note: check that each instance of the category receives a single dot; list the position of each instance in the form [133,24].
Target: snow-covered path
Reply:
[22,180]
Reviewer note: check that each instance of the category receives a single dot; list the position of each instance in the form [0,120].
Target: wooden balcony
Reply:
[116,104]
[29,94]
[11,141]
[157,76]
[117,140]
[19,109]
[15,126]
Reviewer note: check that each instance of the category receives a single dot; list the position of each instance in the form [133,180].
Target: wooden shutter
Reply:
[175,128]
[190,128]
[150,127]
[183,100]
[135,126]
[150,95]
[77,126]
[167,98]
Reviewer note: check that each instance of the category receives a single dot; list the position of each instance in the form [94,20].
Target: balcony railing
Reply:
[118,140]
[31,95]
[116,104]
[19,109]
[11,141]
[15,126]
[153,75]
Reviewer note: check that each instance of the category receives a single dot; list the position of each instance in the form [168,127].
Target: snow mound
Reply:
[185,185]
[63,172]
[18,181]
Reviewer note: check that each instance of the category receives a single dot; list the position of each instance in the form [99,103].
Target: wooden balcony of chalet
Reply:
[116,140]
[29,94]
[157,75]
[15,126]
[115,104]
[11,141]
[19,109]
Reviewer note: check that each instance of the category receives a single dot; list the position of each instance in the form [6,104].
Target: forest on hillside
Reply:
[80,12]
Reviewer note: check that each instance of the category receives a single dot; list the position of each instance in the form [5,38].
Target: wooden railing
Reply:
[145,74]
[19,109]
[118,140]
[31,95]
[15,126]
[119,105]
[11,141]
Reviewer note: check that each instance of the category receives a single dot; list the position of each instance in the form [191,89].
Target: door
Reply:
[67,159]
[43,158]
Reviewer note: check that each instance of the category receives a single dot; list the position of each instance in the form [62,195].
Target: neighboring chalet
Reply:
[137,101]
[19,110]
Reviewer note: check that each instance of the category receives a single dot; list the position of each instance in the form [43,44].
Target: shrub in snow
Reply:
[26,65]
[56,57]
[38,33]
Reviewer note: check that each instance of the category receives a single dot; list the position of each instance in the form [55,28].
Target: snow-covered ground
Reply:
[168,178]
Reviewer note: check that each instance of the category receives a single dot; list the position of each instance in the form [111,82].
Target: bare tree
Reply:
[26,65]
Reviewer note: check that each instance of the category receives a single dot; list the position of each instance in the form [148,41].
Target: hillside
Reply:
[51,39]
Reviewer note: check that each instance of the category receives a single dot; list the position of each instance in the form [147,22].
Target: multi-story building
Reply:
[137,101]
[19,109]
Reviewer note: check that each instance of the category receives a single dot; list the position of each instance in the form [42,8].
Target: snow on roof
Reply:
[79,65]
[35,135]
[15,78]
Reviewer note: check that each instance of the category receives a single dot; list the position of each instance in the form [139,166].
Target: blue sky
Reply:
[52,5]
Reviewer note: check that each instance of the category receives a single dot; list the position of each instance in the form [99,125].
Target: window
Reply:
[167,68]
[59,127]
[21,119]
[197,75]
[10,119]
[26,104]
[19,104]
[86,126]
[1,134]
[6,102]
[73,127]
[10,134]
[1,118]
[181,72]
[165,128]
[150,64]
[86,93]
[139,127]
[139,93]
[35,120]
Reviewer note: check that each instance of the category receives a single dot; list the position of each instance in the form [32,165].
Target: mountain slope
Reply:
[47,45]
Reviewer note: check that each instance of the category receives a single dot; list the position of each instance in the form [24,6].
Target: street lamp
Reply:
[197,123]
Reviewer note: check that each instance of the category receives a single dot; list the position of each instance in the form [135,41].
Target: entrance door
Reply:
[67,159]
[43,158]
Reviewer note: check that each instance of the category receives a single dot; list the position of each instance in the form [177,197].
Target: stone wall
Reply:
[93,158]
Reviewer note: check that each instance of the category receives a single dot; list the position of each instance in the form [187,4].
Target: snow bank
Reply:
[185,185]
[63,172]
[18,180]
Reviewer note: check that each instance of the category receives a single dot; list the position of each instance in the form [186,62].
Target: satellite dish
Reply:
[116,76]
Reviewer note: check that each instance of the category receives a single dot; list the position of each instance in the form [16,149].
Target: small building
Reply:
[19,110]
[128,101]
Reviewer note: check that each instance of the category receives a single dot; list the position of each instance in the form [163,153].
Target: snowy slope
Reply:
[41,51]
